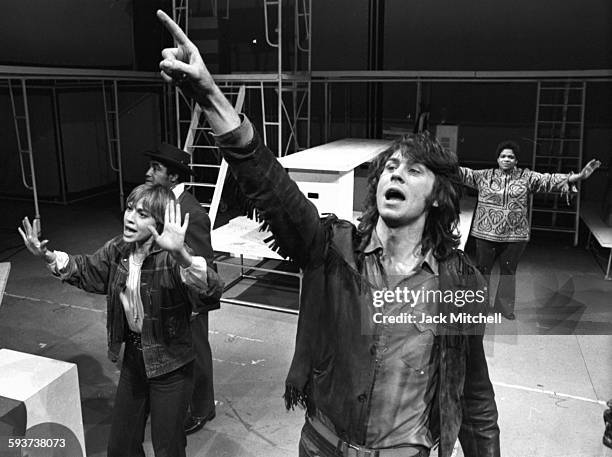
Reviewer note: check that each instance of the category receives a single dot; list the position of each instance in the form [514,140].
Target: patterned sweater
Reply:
[502,212]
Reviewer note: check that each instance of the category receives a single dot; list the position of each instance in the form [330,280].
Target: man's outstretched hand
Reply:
[183,65]
[589,168]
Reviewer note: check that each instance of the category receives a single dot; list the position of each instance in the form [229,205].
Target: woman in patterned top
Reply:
[501,220]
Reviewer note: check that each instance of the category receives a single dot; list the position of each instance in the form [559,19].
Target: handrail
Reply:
[18,135]
[267,29]
[306,16]
[108,131]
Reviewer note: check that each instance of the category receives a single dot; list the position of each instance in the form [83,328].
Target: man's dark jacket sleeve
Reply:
[479,432]
[291,217]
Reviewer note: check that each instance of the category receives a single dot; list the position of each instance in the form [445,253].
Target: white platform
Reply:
[325,174]
[241,237]
[49,390]
[600,230]
[342,155]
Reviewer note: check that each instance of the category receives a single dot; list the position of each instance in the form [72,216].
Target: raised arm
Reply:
[183,66]
[201,284]
[172,239]
[294,221]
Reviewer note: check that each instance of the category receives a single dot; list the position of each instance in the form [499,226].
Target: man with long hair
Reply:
[379,368]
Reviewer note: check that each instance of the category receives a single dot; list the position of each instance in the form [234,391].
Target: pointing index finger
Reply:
[172,27]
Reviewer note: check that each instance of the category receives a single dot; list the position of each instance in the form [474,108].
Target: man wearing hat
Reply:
[169,166]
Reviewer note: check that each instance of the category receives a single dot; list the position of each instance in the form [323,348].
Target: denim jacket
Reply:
[167,302]
[333,364]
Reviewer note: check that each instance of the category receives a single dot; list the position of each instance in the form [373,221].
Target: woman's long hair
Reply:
[442,220]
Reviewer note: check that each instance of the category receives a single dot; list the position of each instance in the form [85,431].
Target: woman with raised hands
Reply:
[152,284]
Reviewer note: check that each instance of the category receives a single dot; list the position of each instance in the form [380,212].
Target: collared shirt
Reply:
[130,296]
[406,365]
[178,190]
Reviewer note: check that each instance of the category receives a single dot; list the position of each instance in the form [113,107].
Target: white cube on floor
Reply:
[49,391]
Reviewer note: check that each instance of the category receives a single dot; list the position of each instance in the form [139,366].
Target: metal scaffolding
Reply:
[287,126]
[19,80]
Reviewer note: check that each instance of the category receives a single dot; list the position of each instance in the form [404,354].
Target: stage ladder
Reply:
[110,98]
[206,161]
[558,148]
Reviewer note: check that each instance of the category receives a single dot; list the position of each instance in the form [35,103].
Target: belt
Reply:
[352,450]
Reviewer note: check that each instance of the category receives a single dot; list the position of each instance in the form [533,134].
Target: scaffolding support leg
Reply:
[59,145]
[113,138]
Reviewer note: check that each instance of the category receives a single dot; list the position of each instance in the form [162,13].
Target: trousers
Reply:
[202,402]
[164,397]
[509,255]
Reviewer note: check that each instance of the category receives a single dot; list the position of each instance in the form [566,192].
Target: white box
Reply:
[49,389]
[325,174]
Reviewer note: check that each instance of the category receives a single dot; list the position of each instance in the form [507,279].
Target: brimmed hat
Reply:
[171,156]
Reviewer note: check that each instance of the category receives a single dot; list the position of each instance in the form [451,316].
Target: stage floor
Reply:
[551,368]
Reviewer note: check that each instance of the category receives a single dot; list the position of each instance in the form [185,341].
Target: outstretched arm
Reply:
[293,220]
[559,182]
[586,172]
[470,177]
[87,272]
